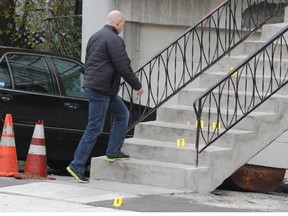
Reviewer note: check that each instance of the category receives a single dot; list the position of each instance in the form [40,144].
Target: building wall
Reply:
[93,18]
[165,12]
[150,24]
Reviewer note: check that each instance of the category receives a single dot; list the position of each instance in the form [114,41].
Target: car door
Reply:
[75,107]
[29,93]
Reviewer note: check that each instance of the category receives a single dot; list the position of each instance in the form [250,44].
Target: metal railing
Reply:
[194,52]
[242,90]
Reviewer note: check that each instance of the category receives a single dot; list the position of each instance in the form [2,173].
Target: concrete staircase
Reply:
[156,160]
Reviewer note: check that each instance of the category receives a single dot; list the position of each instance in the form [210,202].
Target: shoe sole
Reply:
[115,159]
[75,176]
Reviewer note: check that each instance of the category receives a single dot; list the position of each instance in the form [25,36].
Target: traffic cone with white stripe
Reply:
[36,162]
[8,154]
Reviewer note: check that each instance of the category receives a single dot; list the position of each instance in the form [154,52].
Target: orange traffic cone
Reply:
[36,163]
[8,154]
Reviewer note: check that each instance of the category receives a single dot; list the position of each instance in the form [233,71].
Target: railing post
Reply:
[198,126]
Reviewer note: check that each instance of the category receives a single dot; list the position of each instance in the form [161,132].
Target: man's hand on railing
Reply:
[140,91]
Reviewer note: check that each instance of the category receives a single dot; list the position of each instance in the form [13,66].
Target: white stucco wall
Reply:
[93,18]
[163,15]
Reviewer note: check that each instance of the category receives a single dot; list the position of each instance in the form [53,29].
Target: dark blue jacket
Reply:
[106,62]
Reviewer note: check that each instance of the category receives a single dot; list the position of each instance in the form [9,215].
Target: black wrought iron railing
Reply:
[195,51]
[242,90]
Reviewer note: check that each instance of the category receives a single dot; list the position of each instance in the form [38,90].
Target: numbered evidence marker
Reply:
[231,69]
[201,124]
[118,201]
[180,142]
[216,125]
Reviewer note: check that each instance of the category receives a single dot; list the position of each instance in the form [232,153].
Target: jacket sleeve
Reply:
[122,63]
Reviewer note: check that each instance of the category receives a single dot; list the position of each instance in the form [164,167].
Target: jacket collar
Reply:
[112,28]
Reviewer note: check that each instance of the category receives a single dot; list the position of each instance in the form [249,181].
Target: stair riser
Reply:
[228,63]
[147,174]
[188,117]
[271,105]
[244,82]
[164,133]
[169,134]
[269,31]
[247,48]
[179,155]
[156,153]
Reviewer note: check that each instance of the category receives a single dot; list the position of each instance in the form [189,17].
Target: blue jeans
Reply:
[98,106]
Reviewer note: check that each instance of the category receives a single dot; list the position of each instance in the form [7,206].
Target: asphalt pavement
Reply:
[64,194]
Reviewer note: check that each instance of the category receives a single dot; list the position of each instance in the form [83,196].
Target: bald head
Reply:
[116,19]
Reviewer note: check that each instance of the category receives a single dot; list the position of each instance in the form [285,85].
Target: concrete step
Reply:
[228,100]
[243,81]
[171,132]
[250,46]
[147,172]
[270,29]
[185,115]
[154,150]
[263,64]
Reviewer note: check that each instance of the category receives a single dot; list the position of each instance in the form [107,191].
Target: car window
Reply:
[5,81]
[31,73]
[71,74]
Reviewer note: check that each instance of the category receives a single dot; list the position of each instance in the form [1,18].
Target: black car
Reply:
[38,85]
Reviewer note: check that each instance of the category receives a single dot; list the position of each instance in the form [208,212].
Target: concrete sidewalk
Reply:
[66,195]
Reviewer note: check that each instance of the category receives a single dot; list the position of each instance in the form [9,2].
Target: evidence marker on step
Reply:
[201,124]
[231,69]
[180,142]
[216,125]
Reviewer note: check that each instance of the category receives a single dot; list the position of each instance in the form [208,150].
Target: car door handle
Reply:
[6,98]
[71,105]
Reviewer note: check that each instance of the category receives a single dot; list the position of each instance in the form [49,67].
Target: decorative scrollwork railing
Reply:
[194,52]
[241,91]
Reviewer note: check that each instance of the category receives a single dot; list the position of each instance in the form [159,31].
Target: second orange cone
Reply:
[36,162]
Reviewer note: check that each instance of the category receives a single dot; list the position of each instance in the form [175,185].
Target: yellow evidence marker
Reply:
[118,202]
[180,142]
[201,124]
[231,69]
[215,125]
